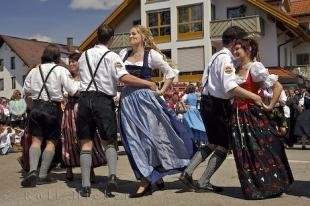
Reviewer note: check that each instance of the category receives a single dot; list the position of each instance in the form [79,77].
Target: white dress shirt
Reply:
[60,77]
[155,61]
[221,77]
[111,69]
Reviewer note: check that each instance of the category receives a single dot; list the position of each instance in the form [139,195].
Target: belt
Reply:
[41,101]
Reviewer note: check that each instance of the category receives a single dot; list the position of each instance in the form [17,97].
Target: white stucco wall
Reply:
[127,23]
[19,71]
[175,44]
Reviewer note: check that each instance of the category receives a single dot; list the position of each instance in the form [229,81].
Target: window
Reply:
[12,62]
[236,12]
[213,12]
[13,82]
[24,78]
[136,22]
[302,59]
[1,84]
[1,65]
[190,22]
[159,24]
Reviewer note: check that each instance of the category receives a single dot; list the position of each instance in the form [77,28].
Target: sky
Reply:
[54,20]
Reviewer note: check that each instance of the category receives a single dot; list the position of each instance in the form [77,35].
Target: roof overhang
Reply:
[284,18]
[115,17]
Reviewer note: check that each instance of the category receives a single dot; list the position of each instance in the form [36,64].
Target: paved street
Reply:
[63,193]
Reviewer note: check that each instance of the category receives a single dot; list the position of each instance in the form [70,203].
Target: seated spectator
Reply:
[5,140]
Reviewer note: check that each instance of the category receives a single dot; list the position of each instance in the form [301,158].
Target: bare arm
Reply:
[277,89]
[167,84]
[137,82]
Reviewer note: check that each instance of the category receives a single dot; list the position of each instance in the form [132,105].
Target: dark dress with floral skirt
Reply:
[260,158]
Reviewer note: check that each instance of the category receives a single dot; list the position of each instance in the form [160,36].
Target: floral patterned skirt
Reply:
[262,165]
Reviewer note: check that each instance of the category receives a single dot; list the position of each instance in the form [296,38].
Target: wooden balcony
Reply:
[120,41]
[251,24]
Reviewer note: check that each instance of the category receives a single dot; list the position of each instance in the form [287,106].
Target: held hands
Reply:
[153,86]
[258,100]
[267,108]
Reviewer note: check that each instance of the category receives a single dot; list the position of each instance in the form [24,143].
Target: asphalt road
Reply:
[64,193]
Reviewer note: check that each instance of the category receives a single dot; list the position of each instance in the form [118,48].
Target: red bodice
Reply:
[248,85]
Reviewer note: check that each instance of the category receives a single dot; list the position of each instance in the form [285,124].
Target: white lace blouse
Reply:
[155,61]
[259,73]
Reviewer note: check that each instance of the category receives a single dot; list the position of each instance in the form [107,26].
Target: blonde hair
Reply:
[16,95]
[148,41]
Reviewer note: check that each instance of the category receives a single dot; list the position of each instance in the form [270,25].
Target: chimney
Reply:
[70,44]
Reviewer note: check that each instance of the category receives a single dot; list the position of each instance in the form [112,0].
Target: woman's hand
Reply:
[153,86]
[267,108]
[159,92]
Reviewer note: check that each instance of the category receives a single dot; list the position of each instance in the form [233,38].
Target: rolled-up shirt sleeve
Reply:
[260,73]
[228,76]
[70,85]
[157,62]
[118,66]
[27,84]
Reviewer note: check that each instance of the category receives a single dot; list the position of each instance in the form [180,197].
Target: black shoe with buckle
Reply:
[208,188]
[187,180]
[46,180]
[85,192]
[147,191]
[31,179]
[111,186]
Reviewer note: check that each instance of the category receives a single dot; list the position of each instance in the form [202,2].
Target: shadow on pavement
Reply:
[300,188]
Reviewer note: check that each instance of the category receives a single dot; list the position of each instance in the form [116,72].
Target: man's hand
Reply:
[152,86]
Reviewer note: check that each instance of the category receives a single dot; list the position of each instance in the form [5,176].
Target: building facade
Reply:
[18,56]
[189,31]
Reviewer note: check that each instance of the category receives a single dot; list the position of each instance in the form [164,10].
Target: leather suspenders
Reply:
[44,82]
[91,72]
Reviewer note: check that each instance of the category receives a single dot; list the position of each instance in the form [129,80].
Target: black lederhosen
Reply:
[45,116]
[96,111]
[215,113]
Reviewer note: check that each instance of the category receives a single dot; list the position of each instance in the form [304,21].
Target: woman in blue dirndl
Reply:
[157,144]
[193,117]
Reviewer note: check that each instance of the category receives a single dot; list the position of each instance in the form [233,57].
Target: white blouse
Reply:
[155,61]
[259,73]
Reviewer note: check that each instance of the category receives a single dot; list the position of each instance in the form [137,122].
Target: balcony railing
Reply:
[120,41]
[251,24]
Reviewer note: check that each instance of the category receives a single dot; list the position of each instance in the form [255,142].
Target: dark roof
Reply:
[29,50]
[300,8]
[285,76]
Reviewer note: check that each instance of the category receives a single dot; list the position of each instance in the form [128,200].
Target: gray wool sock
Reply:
[214,163]
[34,157]
[198,158]
[111,155]
[47,158]
[86,161]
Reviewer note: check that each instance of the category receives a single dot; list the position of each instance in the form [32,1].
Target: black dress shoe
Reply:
[161,185]
[187,180]
[85,192]
[46,180]
[31,179]
[111,186]
[147,191]
[208,188]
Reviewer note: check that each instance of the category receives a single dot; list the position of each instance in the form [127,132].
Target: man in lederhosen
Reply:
[219,87]
[44,85]
[100,69]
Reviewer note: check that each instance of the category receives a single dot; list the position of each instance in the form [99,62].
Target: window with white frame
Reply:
[1,84]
